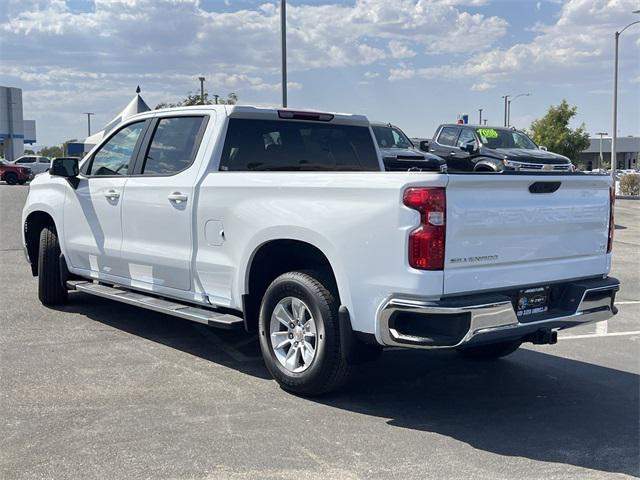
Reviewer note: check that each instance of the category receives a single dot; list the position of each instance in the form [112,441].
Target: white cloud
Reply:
[577,47]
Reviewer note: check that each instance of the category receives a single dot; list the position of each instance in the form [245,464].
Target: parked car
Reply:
[468,148]
[399,153]
[36,163]
[285,222]
[14,174]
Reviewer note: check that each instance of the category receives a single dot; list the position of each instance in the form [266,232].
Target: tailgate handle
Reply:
[544,187]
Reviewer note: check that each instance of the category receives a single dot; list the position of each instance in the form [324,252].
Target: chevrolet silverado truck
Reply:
[468,148]
[285,223]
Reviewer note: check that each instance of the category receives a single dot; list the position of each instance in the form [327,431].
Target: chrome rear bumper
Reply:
[491,317]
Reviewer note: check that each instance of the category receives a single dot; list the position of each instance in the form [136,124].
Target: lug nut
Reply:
[291,335]
[295,344]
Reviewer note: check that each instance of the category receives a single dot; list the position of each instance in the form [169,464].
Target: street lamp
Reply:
[506,107]
[283,33]
[602,134]
[614,159]
[88,114]
[480,120]
[509,106]
[201,78]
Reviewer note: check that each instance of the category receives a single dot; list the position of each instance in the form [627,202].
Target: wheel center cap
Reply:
[298,334]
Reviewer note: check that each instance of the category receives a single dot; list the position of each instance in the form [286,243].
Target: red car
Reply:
[13,174]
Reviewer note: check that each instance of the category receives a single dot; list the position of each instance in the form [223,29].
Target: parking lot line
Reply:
[595,335]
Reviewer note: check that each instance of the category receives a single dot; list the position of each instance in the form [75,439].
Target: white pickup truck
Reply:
[286,223]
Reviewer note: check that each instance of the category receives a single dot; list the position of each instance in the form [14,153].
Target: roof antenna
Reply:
[138,89]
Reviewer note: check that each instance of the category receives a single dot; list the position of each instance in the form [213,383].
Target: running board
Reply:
[186,311]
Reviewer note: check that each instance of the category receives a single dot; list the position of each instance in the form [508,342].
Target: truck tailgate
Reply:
[500,234]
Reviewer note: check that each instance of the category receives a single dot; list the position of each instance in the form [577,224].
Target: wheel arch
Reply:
[486,165]
[34,223]
[274,257]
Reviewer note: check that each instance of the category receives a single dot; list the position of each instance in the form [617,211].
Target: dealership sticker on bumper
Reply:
[533,300]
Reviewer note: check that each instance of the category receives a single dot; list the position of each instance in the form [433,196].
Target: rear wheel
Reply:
[51,291]
[299,334]
[11,178]
[491,351]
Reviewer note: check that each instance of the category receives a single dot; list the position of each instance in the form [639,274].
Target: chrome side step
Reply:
[182,310]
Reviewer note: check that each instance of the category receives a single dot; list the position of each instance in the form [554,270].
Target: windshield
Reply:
[500,138]
[391,137]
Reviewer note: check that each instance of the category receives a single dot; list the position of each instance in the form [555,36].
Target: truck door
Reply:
[92,211]
[157,211]
[445,144]
[460,159]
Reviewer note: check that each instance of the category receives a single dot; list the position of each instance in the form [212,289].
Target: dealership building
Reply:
[15,131]
[627,153]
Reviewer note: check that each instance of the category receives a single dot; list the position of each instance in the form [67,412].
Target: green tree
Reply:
[54,151]
[554,132]
[194,99]
[28,151]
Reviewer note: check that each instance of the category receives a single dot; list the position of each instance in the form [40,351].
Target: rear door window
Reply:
[281,145]
[173,146]
[448,136]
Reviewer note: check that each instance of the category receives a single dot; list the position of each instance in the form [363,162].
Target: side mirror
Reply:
[67,168]
[542,147]
[424,145]
[469,147]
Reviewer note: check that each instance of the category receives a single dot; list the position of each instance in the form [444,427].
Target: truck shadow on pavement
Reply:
[532,405]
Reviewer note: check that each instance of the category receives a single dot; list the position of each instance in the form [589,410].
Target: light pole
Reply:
[480,120]
[602,134]
[614,134]
[201,78]
[283,33]
[509,106]
[88,114]
[506,107]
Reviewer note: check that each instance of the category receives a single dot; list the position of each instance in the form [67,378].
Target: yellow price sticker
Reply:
[487,133]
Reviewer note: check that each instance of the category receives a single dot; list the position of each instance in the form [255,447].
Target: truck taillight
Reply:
[612,225]
[426,243]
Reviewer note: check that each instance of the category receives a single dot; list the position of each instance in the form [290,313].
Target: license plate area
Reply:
[532,300]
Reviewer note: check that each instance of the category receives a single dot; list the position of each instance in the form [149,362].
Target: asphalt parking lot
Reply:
[96,389]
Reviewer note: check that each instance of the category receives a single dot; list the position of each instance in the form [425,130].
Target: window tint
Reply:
[173,145]
[44,160]
[25,160]
[448,136]
[297,146]
[466,136]
[114,156]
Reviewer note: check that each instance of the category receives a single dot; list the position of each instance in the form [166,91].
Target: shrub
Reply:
[630,184]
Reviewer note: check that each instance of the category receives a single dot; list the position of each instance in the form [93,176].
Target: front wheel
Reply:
[11,178]
[51,291]
[299,334]
[490,352]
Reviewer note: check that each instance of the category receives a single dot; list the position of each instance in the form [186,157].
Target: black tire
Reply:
[51,291]
[11,178]
[22,182]
[492,351]
[328,370]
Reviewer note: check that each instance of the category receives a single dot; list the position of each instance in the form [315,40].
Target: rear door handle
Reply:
[112,194]
[177,197]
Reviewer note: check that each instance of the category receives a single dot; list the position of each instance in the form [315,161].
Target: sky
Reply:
[414,63]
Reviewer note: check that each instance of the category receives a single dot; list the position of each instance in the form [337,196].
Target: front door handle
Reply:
[177,197]
[112,194]
[452,153]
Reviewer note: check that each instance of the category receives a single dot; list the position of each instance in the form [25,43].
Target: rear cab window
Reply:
[290,145]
